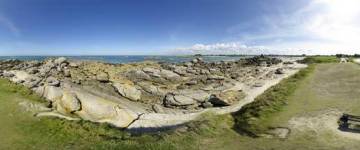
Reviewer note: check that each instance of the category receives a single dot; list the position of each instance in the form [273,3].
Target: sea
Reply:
[130,58]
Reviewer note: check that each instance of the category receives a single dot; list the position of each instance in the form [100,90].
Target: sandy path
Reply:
[154,121]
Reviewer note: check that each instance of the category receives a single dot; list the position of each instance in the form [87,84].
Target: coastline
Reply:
[147,96]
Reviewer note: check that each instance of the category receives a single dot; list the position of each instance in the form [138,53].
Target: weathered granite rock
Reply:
[148,87]
[226,98]
[259,60]
[152,72]
[198,95]
[67,73]
[32,70]
[158,108]
[119,93]
[39,90]
[178,100]
[69,103]
[215,77]
[207,105]
[188,64]
[169,75]
[51,81]
[52,93]
[192,82]
[128,91]
[138,74]
[99,108]
[7,74]
[60,60]
[258,84]
[180,70]
[102,77]
[20,76]
[279,71]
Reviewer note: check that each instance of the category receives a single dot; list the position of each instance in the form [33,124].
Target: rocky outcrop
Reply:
[178,100]
[262,61]
[226,98]
[69,103]
[120,93]
[128,91]
[102,77]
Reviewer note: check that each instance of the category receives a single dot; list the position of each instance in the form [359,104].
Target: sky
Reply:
[176,27]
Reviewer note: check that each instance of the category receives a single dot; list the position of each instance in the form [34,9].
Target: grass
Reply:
[321,59]
[253,118]
[20,130]
[320,87]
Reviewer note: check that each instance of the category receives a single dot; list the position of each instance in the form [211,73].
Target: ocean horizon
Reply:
[117,59]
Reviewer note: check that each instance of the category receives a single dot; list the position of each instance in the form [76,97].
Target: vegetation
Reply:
[320,59]
[252,118]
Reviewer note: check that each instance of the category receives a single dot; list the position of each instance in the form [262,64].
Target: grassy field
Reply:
[321,87]
[321,59]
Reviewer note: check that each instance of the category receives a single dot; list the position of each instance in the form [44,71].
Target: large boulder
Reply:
[102,77]
[198,95]
[226,98]
[60,60]
[152,89]
[152,72]
[181,70]
[138,74]
[99,109]
[128,91]
[69,103]
[279,71]
[20,76]
[51,81]
[262,61]
[8,74]
[169,75]
[178,100]
[25,78]
[52,93]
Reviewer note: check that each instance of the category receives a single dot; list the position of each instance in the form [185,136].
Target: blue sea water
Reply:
[129,59]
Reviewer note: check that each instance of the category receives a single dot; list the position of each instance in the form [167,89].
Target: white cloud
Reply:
[237,48]
[320,27]
[9,25]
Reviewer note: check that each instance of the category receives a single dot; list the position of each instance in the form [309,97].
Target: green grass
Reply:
[21,130]
[320,59]
[253,118]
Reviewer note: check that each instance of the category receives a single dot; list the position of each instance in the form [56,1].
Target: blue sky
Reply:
[120,27]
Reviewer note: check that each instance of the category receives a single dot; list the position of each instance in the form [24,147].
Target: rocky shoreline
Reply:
[146,95]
